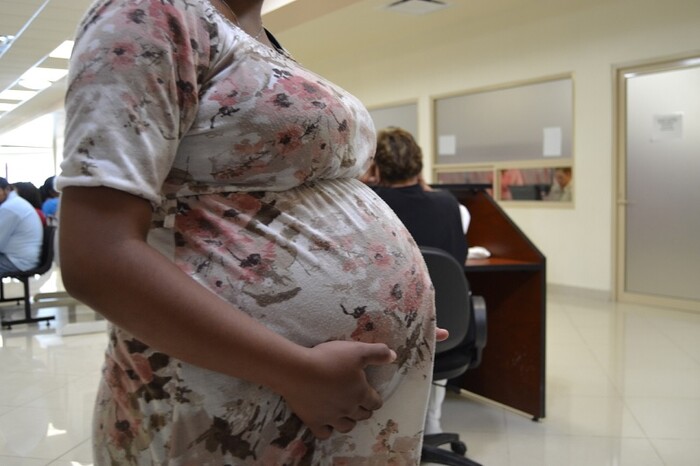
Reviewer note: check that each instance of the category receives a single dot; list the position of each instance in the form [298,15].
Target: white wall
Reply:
[532,41]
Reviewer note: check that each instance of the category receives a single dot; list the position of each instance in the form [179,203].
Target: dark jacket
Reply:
[432,217]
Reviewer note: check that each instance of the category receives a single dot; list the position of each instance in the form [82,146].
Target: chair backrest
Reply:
[452,296]
[47,254]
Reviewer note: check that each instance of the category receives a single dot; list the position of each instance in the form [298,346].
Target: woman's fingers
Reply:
[332,390]
[321,433]
[345,425]
[342,425]
[362,414]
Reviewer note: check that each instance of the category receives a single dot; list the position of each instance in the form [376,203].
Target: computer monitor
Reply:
[527,192]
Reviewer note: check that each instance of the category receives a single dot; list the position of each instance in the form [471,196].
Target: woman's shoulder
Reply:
[174,16]
[442,194]
[147,32]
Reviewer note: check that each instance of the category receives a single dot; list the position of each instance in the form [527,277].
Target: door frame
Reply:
[620,75]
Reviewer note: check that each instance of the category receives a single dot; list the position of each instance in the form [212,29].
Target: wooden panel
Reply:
[512,371]
[512,282]
[493,229]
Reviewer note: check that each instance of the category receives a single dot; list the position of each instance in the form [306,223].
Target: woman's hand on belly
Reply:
[332,391]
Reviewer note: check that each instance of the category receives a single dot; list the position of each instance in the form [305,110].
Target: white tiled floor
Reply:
[623,389]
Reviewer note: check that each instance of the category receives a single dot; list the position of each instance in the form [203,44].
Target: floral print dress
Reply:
[250,162]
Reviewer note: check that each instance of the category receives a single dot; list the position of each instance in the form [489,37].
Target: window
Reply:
[520,134]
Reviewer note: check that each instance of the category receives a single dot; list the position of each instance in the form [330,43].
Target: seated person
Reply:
[31,194]
[510,177]
[395,175]
[20,232]
[50,199]
[434,218]
[563,186]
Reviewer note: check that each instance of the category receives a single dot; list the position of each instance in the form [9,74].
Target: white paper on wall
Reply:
[666,127]
[447,144]
[551,141]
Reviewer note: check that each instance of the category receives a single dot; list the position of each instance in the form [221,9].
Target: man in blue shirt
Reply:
[50,199]
[21,232]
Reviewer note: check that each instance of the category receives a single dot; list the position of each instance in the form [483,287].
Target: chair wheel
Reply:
[459,447]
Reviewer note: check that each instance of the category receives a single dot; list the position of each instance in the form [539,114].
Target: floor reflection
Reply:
[623,388]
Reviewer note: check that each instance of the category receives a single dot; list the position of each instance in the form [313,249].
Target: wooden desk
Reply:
[512,281]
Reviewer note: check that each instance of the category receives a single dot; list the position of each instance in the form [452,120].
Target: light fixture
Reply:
[39,78]
[5,43]
[36,79]
[691,62]
[417,7]
[12,94]
[64,50]
[44,74]
[34,84]
[272,5]
[5,107]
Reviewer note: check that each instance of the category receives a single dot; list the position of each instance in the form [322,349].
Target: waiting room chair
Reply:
[464,316]
[45,263]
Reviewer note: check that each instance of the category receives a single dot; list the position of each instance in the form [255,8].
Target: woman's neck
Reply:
[248,16]
[402,184]
[249,13]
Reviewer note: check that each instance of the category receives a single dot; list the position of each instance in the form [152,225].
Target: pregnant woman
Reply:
[265,306]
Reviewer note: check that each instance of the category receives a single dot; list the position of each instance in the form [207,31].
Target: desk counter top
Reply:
[499,263]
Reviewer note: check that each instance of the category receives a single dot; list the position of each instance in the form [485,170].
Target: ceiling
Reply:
[49,28]
[352,24]
[39,26]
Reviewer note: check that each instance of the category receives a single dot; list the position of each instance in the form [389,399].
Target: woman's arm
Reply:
[107,264]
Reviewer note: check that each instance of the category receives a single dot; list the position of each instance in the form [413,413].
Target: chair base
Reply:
[432,453]
[45,264]
[27,320]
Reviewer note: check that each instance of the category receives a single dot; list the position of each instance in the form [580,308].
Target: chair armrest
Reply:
[479,325]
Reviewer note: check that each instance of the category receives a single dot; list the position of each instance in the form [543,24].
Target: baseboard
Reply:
[576,291]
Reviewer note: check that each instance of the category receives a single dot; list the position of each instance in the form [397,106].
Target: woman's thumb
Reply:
[378,354]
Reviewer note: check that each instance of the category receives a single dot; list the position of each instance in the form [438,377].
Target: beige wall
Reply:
[529,41]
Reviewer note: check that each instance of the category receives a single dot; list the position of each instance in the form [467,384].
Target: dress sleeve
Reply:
[132,92]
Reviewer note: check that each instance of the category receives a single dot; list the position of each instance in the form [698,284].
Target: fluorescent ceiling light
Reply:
[5,107]
[5,43]
[63,51]
[272,5]
[44,74]
[21,96]
[34,84]
[691,62]
[417,7]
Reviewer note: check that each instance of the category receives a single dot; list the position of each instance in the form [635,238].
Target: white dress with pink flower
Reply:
[250,162]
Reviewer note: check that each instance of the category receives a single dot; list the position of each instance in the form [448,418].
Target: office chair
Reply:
[45,263]
[464,315]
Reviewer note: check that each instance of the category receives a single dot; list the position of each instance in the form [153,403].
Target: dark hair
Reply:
[3,183]
[398,156]
[29,192]
[47,190]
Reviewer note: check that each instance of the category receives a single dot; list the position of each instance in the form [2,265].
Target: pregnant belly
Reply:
[323,262]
